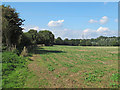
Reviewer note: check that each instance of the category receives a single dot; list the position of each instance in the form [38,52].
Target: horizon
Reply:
[71,20]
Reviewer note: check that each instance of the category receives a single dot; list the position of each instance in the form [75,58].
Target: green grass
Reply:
[14,70]
[74,67]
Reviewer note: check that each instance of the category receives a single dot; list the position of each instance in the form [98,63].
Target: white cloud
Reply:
[89,33]
[35,28]
[102,29]
[92,21]
[42,29]
[55,23]
[86,33]
[27,28]
[116,20]
[66,33]
[104,20]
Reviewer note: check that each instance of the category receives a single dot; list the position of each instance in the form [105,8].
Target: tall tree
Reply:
[46,37]
[32,34]
[11,26]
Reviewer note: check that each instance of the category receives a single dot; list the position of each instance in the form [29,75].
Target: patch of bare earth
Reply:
[97,61]
[115,52]
[106,62]
[64,58]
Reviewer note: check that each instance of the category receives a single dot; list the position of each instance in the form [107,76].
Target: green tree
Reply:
[45,37]
[59,41]
[66,41]
[11,26]
[25,40]
[88,43]
[32,35]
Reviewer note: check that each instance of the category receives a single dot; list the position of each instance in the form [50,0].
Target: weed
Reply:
[50,68]
[94,76]
[75,69]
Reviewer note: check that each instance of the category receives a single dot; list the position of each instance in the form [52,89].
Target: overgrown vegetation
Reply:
[14,70]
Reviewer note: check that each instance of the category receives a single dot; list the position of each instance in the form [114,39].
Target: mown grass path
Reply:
[73,67]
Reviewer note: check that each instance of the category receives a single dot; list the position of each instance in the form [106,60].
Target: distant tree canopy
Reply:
[25,40]
[42,37]
[59,41]
[32,35]
[100,41]
[11,23]
[45,37]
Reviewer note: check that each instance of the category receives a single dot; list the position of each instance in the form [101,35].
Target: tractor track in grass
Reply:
[53,81]
[66,76]
[42,73]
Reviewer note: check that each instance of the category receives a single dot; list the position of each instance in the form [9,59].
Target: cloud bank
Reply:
[103,20]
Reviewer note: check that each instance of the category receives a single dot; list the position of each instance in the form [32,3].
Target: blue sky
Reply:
[70,19]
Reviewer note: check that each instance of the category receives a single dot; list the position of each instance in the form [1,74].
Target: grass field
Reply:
[73,67]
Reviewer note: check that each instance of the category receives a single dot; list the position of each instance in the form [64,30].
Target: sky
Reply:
[73,20]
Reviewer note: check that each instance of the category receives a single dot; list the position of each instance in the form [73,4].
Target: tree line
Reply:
[100,41]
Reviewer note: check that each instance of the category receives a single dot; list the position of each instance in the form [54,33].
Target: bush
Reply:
[16,51]
[4,48]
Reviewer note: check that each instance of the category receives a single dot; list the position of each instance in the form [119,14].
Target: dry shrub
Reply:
[24,53]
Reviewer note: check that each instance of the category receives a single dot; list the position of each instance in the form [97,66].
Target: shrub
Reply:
[16,51]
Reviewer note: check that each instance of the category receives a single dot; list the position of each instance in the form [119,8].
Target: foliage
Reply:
[16,51]
[13,70]
[11,23]
[100,41]
[94,76]
[32,35]
[50,68]
[25,40]
[58,41]
[115,80]
[115,77]
[45,37]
